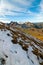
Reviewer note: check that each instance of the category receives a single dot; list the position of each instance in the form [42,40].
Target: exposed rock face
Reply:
[27,25]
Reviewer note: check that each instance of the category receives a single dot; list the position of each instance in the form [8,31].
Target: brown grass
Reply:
[41,63]
[14,40]
[38,33]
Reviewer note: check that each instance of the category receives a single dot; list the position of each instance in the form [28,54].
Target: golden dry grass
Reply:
[38,33]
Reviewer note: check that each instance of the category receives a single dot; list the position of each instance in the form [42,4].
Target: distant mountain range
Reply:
[26,25]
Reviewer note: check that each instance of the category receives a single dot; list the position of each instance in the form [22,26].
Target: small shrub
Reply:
[41,63]
[3,61]
[33,29]
[41,55]
[25,47]
[14,41]
[6,56]
[42,30]
[20,43]
[8,34]
[35,51]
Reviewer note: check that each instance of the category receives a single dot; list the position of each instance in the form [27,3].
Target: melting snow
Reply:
[16,55]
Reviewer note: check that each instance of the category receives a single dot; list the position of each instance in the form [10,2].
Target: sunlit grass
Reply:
[35,33]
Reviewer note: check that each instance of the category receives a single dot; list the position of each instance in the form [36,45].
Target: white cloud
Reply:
[5,20]
[7,8]
[24,2]
[38,17]
[6,5]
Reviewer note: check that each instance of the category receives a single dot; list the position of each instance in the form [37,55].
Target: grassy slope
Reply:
[34,32]
[38,33]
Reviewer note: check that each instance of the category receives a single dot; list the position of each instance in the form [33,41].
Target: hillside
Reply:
[34,29]
[38,33]
[18,48]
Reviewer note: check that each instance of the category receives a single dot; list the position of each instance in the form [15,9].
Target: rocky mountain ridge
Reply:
[27,25]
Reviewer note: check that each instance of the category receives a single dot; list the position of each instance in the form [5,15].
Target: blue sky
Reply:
[21,10]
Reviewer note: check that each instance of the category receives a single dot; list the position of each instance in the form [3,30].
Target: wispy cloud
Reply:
[18,9]
[39,16]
